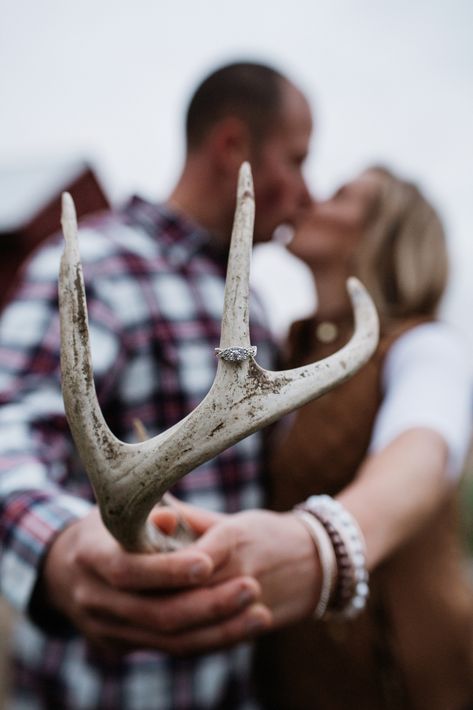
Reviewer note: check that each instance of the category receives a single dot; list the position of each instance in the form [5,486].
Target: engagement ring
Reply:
[236,354]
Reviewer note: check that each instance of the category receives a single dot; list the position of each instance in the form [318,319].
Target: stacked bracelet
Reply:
[351,589]
[326,555]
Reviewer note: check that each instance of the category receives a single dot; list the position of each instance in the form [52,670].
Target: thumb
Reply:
[167,517]
[220,543]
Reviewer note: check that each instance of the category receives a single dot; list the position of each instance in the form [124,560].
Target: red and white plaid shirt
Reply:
[155,292]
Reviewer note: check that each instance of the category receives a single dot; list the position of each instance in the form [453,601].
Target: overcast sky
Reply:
[108,80]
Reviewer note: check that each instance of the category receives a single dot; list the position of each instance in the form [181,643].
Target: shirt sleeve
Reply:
[40,489]
[428,382]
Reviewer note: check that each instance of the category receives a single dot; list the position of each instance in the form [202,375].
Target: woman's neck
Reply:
[333,302]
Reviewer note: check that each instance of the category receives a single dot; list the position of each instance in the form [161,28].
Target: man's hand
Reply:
[122,601]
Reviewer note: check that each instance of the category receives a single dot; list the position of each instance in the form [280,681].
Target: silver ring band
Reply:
[236,353]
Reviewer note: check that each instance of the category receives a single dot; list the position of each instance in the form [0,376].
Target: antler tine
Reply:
[235,320]
[300,385]
[76,362]
[128,479]
[109,462]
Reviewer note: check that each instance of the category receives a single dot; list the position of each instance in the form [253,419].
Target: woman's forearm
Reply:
[397,489]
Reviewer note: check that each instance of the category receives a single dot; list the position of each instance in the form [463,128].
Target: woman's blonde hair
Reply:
[402,259]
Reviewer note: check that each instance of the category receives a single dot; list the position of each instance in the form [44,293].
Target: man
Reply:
[102,624]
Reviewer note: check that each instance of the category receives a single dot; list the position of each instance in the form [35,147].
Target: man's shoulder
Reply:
[110,235]
[139,237]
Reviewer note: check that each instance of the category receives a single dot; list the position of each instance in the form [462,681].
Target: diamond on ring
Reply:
[236,353]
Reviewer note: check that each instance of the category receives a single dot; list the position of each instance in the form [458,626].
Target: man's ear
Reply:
[230,144]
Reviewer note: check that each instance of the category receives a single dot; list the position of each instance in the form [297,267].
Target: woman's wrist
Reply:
[348,595]
[326,558]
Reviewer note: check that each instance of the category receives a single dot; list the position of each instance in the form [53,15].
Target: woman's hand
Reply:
[273,549]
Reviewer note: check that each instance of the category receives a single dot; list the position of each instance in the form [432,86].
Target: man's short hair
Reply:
[247,90]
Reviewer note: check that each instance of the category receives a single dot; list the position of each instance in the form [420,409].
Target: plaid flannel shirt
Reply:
[155,293]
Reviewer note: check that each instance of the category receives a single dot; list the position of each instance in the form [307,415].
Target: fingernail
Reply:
[255,625]
[198,571]
[245,597]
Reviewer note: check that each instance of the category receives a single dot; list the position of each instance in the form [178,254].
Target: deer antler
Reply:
[129,479]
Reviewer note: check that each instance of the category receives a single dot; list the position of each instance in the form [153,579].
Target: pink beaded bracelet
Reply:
[351,590]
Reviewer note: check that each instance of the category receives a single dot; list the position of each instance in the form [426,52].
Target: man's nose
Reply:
[306,199]
[307,203]
[305,196]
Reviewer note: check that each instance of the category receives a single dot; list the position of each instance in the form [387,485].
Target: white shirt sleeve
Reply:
[427,381]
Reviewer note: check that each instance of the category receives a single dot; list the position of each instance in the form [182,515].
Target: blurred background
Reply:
[93,95]
[104,84]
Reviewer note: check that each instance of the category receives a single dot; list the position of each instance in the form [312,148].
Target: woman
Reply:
[385,449]
[387,445]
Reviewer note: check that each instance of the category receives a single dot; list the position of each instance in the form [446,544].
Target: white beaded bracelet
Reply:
[352,590]
[327,559]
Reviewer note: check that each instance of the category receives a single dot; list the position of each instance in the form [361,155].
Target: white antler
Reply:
[129,479]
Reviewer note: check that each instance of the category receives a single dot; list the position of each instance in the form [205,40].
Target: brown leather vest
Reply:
[412,648]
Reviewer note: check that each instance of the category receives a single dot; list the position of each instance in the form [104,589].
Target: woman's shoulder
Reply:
[427,381]
[435,351]
[433,340]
